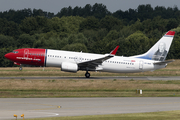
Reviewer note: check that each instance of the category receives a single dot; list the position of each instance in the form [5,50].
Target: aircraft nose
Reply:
[7,55]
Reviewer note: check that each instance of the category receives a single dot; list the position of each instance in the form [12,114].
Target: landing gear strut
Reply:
[87,74]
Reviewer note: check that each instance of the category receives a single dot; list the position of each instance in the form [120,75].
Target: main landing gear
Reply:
[87,74]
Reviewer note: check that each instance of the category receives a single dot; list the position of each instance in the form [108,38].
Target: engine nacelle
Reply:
[69,67]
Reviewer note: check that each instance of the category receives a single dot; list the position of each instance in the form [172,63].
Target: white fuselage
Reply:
[118,64]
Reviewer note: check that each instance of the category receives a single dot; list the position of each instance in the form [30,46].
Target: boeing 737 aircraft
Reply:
[74,61]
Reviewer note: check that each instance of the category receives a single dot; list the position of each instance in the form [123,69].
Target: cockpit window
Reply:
[15,51]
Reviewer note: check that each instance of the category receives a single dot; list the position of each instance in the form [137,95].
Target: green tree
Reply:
[99,11]
[75,47]
[126,31]
[72,23]
[9,28]
[29,25]
[25,40]
[110,41]
[174,52]
[77,38]
[63,12]
[7,41]
[144,12]
[89,23]
[95,40]
[160,24]
[77,11]
[57,25]
[137,43]
[110,22]
[65,24]
[87,10]
[3,61]
[172,23]
[50,40]
[33,25]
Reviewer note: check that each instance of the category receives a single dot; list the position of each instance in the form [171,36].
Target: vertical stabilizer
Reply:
[160,50]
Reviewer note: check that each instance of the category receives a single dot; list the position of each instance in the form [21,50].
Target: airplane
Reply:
[69,61]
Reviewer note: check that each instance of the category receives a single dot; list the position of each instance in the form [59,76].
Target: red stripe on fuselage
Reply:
[30,56]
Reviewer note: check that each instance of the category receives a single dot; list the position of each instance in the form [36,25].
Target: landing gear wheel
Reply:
[20,68]
[87,75]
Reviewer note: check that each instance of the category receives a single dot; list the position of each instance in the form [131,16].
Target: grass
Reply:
[165,115]
[87,88]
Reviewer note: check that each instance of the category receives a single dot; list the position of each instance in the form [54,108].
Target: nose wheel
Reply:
[87,74]
[20,68]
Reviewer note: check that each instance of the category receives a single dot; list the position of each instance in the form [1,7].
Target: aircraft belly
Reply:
[53,63]
[159,66]
[120,68]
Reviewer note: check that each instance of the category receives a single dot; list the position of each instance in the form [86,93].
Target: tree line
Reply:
[89,29]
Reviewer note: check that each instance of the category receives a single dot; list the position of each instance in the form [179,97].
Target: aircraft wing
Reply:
[92,64]
[163,62]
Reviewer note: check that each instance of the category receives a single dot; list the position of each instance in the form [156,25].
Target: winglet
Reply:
[113,52]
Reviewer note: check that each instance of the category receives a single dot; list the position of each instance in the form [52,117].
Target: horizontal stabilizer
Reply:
[163,62]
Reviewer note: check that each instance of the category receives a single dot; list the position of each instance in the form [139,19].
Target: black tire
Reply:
[20,68]
[87,75]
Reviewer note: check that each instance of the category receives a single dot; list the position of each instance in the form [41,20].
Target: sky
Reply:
[55,6]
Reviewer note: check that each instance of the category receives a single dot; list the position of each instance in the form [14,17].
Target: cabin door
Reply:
[141,65]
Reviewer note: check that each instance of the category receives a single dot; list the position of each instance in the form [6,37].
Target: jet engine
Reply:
[69,67]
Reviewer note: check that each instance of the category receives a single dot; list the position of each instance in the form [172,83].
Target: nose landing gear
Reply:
[20,68]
